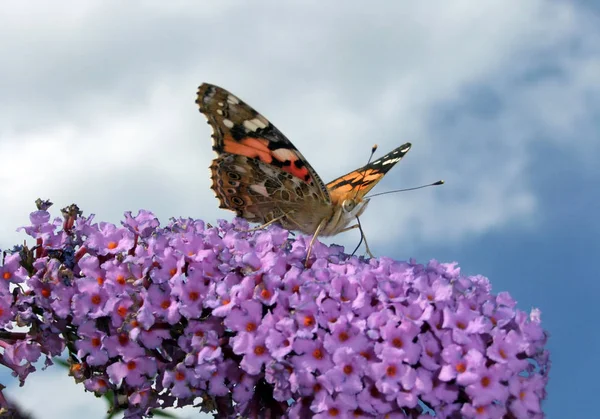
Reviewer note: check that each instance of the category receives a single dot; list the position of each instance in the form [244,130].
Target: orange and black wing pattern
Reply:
[360,181]
[240,130]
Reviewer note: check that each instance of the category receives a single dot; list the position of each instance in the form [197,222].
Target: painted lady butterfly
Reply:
[259,174]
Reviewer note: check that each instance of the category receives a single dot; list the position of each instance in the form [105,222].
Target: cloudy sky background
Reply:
[499,98]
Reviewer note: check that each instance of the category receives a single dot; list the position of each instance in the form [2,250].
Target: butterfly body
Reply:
[259,173]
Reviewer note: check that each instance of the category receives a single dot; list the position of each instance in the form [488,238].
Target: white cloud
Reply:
[52,394]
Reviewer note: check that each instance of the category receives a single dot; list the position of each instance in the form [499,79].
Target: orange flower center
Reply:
[309,321]
[397,342]
[123,339]
[122,311]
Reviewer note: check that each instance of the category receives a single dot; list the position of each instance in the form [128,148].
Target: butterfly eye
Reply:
[348,205]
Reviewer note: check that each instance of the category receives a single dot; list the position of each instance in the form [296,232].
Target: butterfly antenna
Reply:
[358,245]
[373,149]
[439,182]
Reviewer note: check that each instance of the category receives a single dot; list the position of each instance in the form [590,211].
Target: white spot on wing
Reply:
[284,154]
[268,171]
[254,124]
[228,123]
[260,189]
[233,100]
[390,161]
[262,121]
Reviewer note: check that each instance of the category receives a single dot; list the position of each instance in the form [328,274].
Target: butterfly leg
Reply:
[352,227]
[265,225]
[312,241]
[366,244]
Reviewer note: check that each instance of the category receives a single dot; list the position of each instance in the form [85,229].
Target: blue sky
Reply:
[499,98]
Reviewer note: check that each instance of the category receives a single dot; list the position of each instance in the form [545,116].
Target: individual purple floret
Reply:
[239,323]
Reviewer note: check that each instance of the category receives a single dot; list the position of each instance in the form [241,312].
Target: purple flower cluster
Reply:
[233,321]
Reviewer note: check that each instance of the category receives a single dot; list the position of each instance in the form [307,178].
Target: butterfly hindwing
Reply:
[260,193]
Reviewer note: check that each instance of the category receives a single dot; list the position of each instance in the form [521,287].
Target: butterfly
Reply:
[261,175]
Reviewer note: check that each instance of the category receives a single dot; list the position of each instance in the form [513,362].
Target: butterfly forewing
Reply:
[239,129]
[360,181]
